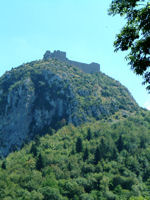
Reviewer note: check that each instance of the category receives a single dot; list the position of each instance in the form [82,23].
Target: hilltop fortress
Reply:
[60,55]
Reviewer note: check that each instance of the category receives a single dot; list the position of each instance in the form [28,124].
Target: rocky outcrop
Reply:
[41,95]
[60,55]
[37,103]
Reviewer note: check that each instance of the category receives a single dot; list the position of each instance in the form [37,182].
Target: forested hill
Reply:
[104,160]
[70,135]
[42,95]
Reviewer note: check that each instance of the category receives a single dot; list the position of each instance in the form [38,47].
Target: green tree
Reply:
[135,35]
[37,140]
[103,147]
[79,146]
[50,193]
[39,162]
[3,165]
[97,155]
[119,143]
[33,150]
[86,154]
[89,134]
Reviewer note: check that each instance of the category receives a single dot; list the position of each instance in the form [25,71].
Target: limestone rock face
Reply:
[32,106]
[15,118]
[43,95]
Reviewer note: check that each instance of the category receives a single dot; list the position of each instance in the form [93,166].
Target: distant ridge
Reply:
[60,55]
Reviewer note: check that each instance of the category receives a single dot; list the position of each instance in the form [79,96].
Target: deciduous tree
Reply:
[135,35]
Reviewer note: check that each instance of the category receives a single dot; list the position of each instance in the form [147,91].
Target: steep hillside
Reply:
[95,161]
[46,94]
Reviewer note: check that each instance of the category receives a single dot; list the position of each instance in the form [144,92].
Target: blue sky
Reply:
[82,28]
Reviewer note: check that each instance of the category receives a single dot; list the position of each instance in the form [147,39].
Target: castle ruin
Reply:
[60,55]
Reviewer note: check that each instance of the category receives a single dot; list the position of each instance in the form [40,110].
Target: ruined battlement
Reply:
[60,55]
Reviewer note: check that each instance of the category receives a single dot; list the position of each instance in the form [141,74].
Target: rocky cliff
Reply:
[45,94]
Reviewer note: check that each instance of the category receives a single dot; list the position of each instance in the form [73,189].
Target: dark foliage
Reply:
[79,146]
[3,165]
[135,35]
[39,162]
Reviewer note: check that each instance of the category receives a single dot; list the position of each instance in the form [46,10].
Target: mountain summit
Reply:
[61,56]
[39,96]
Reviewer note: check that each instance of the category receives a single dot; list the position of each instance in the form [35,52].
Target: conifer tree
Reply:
[37,140]
[3,165]
[79,146]
[33,150]
[86,154]
[39,162]
[97,155]
[119,143]
[89,134]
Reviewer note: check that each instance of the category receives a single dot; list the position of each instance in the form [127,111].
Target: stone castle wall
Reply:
[60,55]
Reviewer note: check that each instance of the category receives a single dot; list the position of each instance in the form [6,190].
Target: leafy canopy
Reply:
[135,35]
